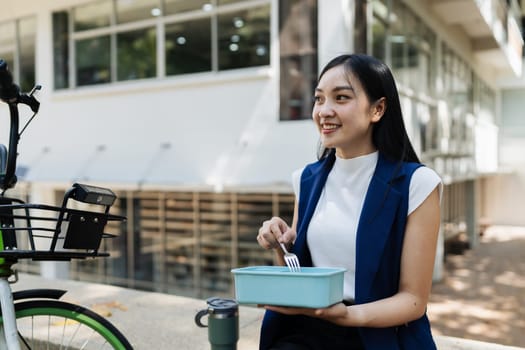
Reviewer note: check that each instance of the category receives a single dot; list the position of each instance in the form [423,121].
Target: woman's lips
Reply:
[329,128]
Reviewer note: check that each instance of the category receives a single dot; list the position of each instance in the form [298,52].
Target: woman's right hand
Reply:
[275,231]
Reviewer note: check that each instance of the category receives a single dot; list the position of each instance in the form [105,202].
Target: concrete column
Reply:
[440,258]
[471,213]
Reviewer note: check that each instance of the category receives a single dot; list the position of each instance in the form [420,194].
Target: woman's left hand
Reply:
[337,313]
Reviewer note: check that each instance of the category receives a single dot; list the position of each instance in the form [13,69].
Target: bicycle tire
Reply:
[54,324]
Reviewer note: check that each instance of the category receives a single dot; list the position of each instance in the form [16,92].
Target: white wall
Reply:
[505,192]
[208,128]
[218,129]
[224,132]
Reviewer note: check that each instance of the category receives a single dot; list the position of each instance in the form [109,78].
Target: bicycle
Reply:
[37,318]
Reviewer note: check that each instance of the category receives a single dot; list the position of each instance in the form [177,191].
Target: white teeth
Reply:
[329,126]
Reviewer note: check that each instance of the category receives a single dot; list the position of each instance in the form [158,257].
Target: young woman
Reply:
[367,205]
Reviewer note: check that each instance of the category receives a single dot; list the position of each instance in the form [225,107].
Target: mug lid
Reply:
[221,306]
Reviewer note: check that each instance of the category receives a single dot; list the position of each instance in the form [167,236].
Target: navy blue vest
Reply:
[379,242]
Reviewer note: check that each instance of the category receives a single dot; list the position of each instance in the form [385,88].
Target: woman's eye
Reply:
[342,97]
[317,99]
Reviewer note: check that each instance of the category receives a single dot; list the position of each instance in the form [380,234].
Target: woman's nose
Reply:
[325,111]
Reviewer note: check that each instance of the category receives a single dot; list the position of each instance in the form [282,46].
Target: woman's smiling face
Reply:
[344,115]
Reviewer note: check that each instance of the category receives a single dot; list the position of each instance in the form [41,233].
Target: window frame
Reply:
[16,53]
[296,89]
[159,23]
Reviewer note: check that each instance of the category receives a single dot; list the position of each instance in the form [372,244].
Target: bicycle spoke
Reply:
[56,325]
[22,339]
[48,333]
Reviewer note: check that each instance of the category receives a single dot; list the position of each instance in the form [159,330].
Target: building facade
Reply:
[197,112]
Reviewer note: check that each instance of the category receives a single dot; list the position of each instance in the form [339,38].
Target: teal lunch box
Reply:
[314,287]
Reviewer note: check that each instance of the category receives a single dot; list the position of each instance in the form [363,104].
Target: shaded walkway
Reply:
[482,295]
[482,298]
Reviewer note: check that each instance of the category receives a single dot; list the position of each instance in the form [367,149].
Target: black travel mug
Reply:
[223,323]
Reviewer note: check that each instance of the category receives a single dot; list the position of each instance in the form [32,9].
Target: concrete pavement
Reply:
[148,320]
[161,321]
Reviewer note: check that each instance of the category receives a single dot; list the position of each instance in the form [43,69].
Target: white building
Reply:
[197,112]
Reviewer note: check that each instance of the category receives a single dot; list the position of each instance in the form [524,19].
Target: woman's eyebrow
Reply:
[345,87]
[337,88]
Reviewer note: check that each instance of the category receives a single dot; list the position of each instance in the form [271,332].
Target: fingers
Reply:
[288,237]
[332,312]
[336,313]
[271,232]
[311,312]
[264,242]
[291,310]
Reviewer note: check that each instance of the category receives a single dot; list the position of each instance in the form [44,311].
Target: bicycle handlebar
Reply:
[8,90]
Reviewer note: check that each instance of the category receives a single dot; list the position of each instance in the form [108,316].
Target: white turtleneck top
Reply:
[332,231]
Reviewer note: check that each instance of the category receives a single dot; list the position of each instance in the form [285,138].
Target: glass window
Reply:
[7,43]
[17,49]
[130,11]
[136,54]
[244,38]
[484,101]
[298,61]
[26,39]
[223,2]
[379,39]
[379,29]
[411,32]
[188,47]
[61,49]
[92,15]
[125,44]
[177,6]
[297,84]
[397,42]
[428,127]
[458,96]
[459,86]
[93,60]
[7,36]
[428,51]
[446,69]
[420,61]
[410,49]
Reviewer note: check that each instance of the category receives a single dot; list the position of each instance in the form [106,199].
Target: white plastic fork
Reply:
[291,260]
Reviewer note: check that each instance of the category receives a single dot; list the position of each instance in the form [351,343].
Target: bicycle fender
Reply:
[38,294]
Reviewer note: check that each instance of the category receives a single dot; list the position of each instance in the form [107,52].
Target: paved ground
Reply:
[482,296]
[149,320]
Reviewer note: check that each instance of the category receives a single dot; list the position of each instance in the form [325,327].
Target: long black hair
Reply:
[389,135]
